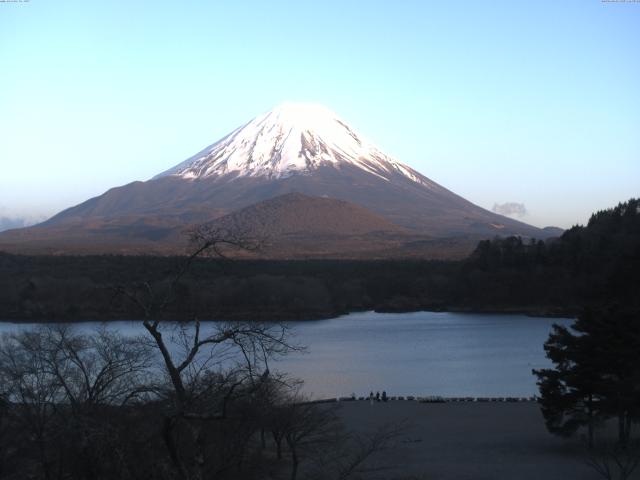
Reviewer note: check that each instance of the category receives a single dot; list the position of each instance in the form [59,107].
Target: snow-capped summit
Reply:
[293,138]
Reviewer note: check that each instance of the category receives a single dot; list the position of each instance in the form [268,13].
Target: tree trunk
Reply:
[167,435]
[43,459]
[278,440]
[294,459]
[623,429]
[173,372]
[590,422]
[198,457]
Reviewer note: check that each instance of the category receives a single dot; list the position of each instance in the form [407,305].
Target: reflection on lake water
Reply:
[422,353]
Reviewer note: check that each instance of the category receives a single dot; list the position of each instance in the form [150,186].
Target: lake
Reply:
[421,353]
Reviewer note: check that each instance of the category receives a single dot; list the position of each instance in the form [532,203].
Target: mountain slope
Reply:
[294,148]
[298,214]
[288,226]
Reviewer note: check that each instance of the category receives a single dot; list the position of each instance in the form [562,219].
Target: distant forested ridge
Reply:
[597,263]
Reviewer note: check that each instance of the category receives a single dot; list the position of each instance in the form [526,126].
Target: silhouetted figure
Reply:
[377,396]
[384,396]
[371,398]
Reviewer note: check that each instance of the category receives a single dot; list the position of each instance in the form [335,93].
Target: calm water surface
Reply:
[422,353]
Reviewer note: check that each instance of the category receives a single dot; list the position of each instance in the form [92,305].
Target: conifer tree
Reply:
[596,374]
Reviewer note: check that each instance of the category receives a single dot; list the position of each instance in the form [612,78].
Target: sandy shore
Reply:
[460,441]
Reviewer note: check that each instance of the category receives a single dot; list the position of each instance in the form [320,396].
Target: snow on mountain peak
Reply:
[293,138]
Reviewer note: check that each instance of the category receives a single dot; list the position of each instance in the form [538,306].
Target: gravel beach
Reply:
[469,440]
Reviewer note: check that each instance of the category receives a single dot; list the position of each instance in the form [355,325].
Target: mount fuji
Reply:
[291,139]
[294,148]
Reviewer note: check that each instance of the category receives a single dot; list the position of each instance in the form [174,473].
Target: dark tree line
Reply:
[593,265]
[586,265]
[595,382]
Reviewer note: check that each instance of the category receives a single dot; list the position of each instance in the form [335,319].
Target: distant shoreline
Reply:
[533,313]
[427,399]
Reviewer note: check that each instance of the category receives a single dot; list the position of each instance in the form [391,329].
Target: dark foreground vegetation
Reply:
[587,265]
[109,407]
[595,384]
[182,403]
[178,402]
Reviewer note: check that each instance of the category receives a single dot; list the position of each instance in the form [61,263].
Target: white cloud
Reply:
[510,209]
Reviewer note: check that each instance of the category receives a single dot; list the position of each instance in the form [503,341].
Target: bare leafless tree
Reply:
[103,368]
[205,369]
[363,448]
[613,461]
[354,455]
[305,427]
[4,415]
[35,392]
[317,442]
[61,386]
[187,400]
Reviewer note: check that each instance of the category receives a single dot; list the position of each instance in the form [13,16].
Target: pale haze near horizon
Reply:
[535,104]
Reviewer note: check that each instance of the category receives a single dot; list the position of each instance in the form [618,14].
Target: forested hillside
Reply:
[597,263]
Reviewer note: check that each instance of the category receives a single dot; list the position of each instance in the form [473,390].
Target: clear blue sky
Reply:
[533,102]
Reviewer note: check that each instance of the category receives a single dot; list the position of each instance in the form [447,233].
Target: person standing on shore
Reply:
[370,398]
[377,396]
